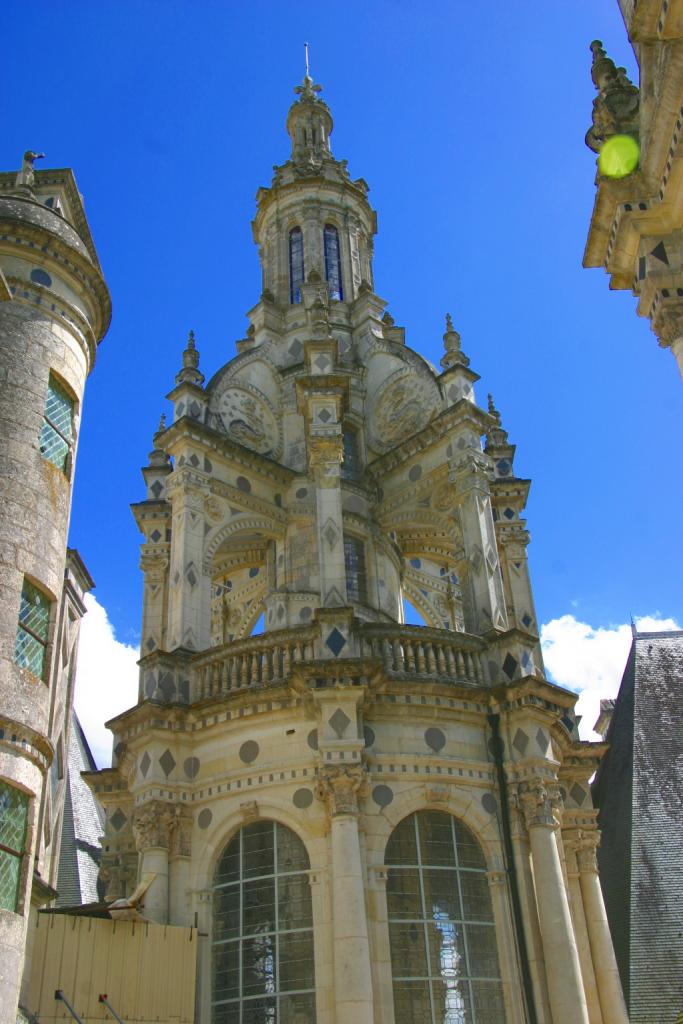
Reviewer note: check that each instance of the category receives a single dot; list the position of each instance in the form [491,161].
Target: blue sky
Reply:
[467,121]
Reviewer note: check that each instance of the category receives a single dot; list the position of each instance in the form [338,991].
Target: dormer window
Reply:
[296,265]
[333,274]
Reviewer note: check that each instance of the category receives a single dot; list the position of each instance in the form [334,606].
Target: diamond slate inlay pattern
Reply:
[520,741]
[509,666]
[340,722]
[336,642]
[325,415]
[526,620]
[542,740]
[167,762]
[577,793]
[118,819]
[145,762]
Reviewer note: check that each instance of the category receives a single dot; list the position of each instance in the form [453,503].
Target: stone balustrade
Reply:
[258,661]
[404,652]
[416,651]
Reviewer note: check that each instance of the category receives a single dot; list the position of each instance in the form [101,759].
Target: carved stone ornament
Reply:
[340,786]
[154,824]
[667,323]
[326,451]
[539,801]
[402,406]
[586,845]
[247,418]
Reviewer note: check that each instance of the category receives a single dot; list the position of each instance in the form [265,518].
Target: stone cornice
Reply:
[186,428]
[436,430]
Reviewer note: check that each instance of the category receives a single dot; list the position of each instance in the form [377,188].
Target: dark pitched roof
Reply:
[82,827]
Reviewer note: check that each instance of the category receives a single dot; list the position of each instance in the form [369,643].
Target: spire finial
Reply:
[190,342]
[162,423]
[190,372]
[449,322]
[308,71]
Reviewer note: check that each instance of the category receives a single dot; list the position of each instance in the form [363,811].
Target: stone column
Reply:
[606,970]
[473,500]
[570,842]
[179,868]
[339,786]
[153,824]
[563,970]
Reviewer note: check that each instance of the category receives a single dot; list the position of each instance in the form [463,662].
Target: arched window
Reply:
[443,942]
[296,264]
[262,942]
[333,274]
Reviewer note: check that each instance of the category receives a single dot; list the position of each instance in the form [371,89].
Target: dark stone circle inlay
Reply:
[382,795]
[302,799]
[368,736]
[191,766]
[489,803]
[204,818]
[435,739]
[312,739]
[249,751]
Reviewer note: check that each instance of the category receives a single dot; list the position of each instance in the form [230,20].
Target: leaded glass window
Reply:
[443,944]
[13,819]
[354,562]
[333,274]
[262,943]
[32,631]
[296,264]
[57,433]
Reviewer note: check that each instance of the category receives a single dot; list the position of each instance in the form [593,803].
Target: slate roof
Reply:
[639,792]
[82,826]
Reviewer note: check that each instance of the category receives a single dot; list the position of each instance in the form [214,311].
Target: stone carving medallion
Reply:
[402,406]
[247,418]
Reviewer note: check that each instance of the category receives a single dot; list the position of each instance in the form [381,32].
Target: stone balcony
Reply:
[398,651]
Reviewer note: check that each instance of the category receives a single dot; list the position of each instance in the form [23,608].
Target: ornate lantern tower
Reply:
[371,821]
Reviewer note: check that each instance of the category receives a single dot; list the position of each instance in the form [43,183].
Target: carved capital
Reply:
[667,323]
[586,847]
[340,786]
[539,801]
[153,825]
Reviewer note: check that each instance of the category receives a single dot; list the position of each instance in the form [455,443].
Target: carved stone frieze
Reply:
[326,451]
[340,786]
[403,405]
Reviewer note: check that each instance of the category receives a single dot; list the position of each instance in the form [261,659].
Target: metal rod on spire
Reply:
[306,53]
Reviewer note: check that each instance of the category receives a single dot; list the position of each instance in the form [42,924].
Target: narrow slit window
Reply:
[296,264]
[354,561]
[13,820]
[32,631]
[350,467]
[333,274]
[57,433]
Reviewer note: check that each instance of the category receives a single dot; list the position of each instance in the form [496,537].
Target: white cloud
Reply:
[106,679]
[591,661]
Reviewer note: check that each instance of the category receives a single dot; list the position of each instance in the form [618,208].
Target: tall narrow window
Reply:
[296,264]
[333,273]
[13,819]
[262,943]
[32,631]
[57,433]
[444,957]
[350,467]
[354,562]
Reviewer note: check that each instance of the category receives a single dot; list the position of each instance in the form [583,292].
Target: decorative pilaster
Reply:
[537,798]
[606,970]
[339,786]
[187,626]
[153,827]
[509,970]
[473,500]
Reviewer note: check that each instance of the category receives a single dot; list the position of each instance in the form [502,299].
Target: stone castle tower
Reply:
[369,821]
[54,309]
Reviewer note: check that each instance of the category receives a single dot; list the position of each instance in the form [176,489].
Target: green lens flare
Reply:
[619,156]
